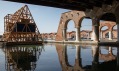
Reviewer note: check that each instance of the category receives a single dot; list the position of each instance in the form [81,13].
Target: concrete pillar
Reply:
[110,50]
[78,59]
[77,33]
[95,62]
[117,58]
[95,53]
[92,37]
[95,29]
[77,52]
[64,34]
[118,32]
[110,35]
[101,35]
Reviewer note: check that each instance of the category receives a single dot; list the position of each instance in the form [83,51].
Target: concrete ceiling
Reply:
[81,5]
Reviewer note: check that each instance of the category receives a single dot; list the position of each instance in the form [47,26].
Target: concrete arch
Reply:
[76,16]
[109,24]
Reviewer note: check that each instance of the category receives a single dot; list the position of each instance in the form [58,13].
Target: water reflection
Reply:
[110,61]
[22,58]
[84,58]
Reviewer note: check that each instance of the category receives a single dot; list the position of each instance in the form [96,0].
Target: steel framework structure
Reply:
[20,27]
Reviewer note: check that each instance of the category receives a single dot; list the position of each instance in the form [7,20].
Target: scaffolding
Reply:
[21,27]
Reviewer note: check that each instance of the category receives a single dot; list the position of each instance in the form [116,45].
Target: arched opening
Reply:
[86,29]
[104,33]
[114,33]
[71,54]
[107,19]
[71,34]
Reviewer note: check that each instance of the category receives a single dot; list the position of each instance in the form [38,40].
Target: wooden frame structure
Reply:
[21,27]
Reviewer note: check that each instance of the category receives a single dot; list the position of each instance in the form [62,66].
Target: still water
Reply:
[59,57]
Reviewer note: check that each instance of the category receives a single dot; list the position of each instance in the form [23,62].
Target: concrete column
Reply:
[95,29]
[77,33]
[64,34]
[118,32]
[110,35]
[95,62]
[95,53]
[92,37]
[101,35]
[117,58]
[110,50]
[77,52]
[78,59]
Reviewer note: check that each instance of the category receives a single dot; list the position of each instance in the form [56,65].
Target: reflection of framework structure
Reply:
[20,27]
[96,66]
[22,58]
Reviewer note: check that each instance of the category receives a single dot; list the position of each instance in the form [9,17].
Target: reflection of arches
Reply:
[76,16]
[109,56]
[96,66]
[22,58]
[62,53]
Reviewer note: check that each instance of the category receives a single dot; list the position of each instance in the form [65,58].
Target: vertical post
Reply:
[101,35]
[95,29]
[110,50]
[118,32]
[64,34]
[88,35]
[117,58]
[95,62]
[77,52]
[110,35]
[77,33]
[78,56]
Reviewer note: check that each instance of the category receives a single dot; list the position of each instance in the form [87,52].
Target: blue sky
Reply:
[46,18]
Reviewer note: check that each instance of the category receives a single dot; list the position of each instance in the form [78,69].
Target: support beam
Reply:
[118,32]
[110,50]
[117,58]
[95,62]
[78,59]
[101,33]
[95,29]
[64,34]
[78,51]
[77,34]
[110,35]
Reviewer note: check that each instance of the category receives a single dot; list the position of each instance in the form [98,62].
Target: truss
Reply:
[20,27]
